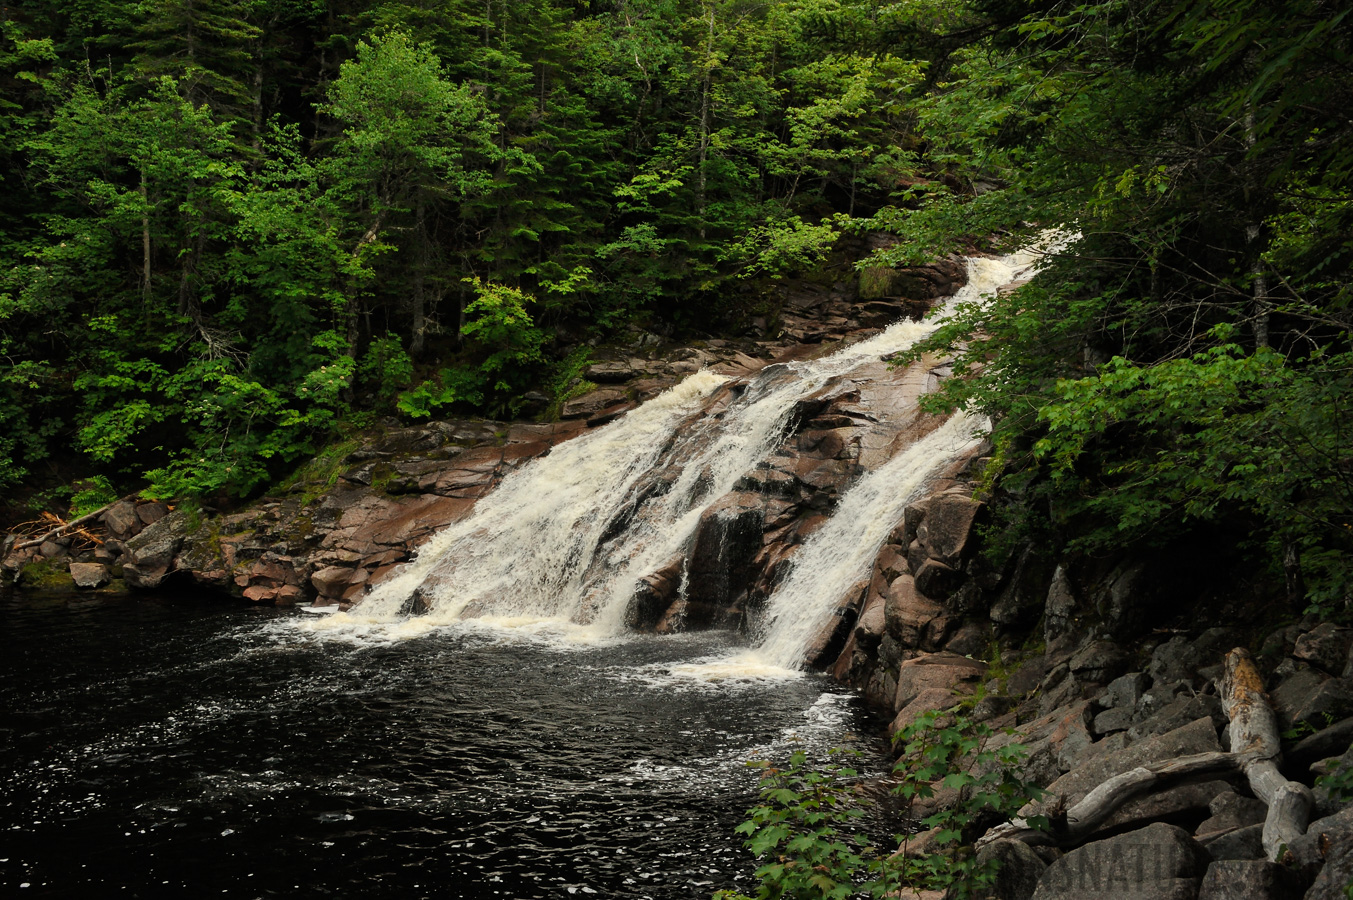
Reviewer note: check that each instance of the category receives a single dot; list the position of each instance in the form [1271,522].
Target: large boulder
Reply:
[1309,697]
[1158,862]
[1024,595]
[947,532]
[908,613]
[727,541]
[945,671]
[89,575]
[1326,647]
[654,594]
[1336,875]
[150,555]
[1315,849]
[121,520]
[1250,879]
[589,405]
[1017,870]
[1059,609]
[935,579]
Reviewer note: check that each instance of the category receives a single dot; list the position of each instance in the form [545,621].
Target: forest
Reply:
[232,230]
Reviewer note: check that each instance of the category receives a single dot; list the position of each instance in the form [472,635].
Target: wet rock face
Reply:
[720,564]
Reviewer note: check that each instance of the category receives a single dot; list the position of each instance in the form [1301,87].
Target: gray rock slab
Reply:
[1243,843]
[1099,661]
[1179,713]
[1111,720]
[1018,869]
[1125,690]
[1230,812]
[1327,742]
[1196,737]
[89,575]
[1250,879]
[1160,862]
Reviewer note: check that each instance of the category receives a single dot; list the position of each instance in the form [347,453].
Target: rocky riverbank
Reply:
[1101,667]
[1105,670]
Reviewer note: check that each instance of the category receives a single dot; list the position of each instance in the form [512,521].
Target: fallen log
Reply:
[1072,826]
[1255,752]
[68,526]
[1254,736]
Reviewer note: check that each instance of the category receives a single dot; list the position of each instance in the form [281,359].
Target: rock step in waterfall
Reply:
[690,510]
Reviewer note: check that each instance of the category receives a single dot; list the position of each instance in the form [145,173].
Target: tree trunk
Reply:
[706,86]
[1259,280]
[1254,737]
[418,327]
[145,239]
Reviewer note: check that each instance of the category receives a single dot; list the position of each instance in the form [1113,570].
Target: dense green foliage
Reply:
[1184,361]
[230,225]
[806,827]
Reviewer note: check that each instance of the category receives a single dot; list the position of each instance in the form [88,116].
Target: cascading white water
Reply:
[843,550]
[528,541]
[545,544]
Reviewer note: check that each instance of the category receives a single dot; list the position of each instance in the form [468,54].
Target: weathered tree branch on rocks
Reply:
[1255,751]
[1081,820]
[68,526]
[1254,736]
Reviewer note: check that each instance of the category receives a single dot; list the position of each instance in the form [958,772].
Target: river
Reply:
[178,746]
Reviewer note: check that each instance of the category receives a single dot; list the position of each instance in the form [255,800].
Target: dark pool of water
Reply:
[178,747]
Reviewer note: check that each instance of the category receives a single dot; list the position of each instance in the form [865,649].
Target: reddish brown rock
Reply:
[927,700]
[869,629]
[943,671]
[332,581]
[260,593]
[908,612]
[589,405]
[288,595]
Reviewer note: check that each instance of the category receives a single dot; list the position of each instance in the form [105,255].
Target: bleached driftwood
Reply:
[1254,737]
[1080,821]
[1255,751]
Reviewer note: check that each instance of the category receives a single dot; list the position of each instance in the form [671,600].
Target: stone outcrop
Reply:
[1126,679]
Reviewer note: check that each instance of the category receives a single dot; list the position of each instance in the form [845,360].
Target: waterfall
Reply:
[568,536]
[843,551]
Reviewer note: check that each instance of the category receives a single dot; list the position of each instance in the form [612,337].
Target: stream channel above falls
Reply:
[176,747]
